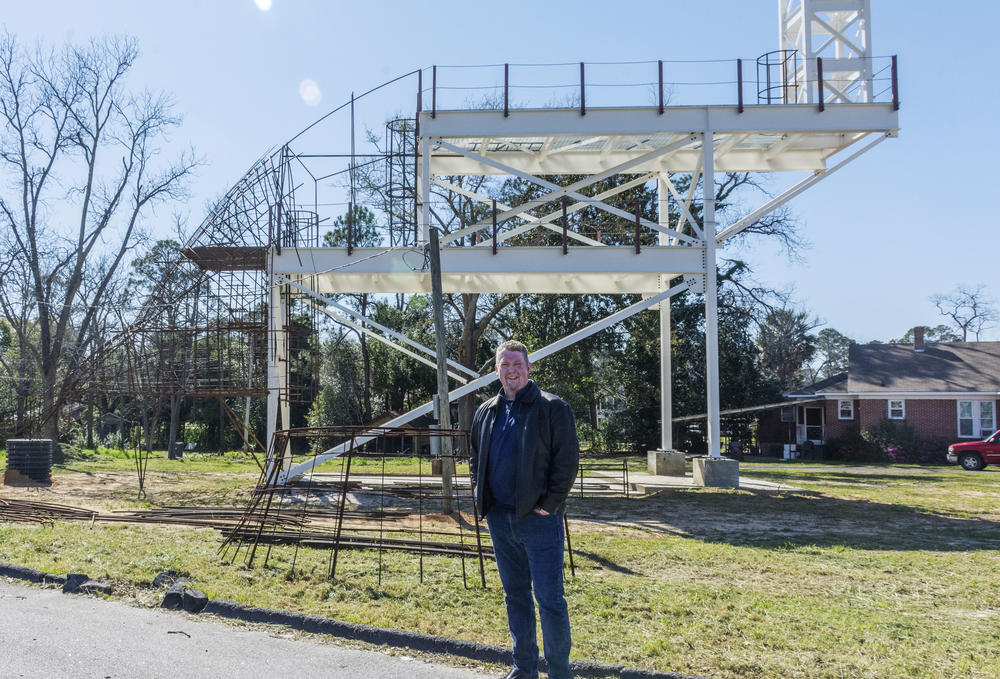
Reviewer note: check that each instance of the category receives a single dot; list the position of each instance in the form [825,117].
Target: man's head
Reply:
[512,366]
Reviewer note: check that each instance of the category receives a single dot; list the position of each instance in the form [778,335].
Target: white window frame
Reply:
[902,408]
[840,410]
[977,422]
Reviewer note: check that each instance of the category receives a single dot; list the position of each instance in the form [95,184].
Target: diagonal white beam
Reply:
[533,221]
[557,191]
[575,207]
[576,144]
[729,144]
[684,206]
[777,147]
[780,200]
[388,331]
[837,34]
[483,381]
[544,221]
[374,335]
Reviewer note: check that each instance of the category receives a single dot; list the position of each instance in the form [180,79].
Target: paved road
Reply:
[45,633]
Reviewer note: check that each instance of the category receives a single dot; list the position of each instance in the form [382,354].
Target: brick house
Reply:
[943,389]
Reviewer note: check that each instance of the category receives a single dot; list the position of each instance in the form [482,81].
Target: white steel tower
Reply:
[838,34]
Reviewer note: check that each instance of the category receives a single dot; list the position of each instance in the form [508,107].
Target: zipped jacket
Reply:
[548,454]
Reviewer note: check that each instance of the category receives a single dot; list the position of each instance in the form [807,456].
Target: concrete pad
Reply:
[716,472]
[665,462]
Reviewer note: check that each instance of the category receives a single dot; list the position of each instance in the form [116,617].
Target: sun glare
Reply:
[310,92]
[263,5]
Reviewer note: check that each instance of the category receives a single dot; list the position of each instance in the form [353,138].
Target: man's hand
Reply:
[539,510]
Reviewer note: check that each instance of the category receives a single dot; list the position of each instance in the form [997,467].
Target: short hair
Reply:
[511,345]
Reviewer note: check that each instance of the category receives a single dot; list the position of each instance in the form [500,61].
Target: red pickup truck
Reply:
[974,455]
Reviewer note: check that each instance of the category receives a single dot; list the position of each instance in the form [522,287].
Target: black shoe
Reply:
[518,674]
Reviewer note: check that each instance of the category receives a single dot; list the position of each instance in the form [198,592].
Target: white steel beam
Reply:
[374,335]
[585,270]
[483,381]
[711,301]
[666,385]
[533,222]
[870,117]
[365,321]
[557,192]
[545,220]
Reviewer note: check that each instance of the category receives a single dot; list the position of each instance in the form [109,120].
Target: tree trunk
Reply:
[90,417]
[50,426]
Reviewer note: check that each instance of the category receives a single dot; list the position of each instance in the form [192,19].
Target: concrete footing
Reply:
[665,462]
[438,464]
[716,472]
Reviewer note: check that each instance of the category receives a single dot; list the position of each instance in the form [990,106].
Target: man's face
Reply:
[512,369]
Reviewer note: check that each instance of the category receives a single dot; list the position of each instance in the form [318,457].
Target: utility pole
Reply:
[442,372]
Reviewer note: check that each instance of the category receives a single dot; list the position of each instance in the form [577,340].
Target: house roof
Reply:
[941,367]
[833,384]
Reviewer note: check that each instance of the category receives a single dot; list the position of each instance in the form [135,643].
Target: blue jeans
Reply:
[529,553]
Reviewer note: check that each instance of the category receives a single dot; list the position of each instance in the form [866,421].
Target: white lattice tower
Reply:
[838,32]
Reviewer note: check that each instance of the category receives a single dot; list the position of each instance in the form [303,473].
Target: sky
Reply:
[905,221]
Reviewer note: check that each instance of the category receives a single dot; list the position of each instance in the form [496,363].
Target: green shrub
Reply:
[855,446]
[889,441]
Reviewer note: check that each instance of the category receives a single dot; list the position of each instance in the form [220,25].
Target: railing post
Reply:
[420,92]
[565,237]
[638,223]
[350,229]
[583,100]
[494,226]
[506,90]
[660,67]
[819,83]
[895,85]
[434,90]
[739,86]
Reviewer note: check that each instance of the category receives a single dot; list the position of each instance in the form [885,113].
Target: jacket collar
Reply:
[528,394]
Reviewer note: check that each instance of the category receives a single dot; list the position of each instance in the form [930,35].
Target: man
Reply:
[524,460]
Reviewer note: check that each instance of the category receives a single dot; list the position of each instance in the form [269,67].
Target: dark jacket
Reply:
[548,452]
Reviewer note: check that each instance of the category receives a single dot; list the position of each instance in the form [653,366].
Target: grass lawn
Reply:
[867,571]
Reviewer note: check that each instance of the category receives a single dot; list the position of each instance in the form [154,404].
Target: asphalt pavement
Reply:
[45,633]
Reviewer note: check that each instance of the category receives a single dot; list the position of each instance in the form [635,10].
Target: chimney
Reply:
[918,339]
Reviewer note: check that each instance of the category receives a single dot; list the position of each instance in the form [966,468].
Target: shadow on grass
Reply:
[791,519]
[604,562]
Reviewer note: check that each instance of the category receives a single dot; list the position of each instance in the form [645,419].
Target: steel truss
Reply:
[260,255]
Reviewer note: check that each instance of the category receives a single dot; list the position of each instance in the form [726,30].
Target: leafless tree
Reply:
[970,309]
[79,158]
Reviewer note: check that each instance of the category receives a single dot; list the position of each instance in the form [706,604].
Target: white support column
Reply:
[278,408]
[273,326]
[711,298]
[666,390]
[424,190]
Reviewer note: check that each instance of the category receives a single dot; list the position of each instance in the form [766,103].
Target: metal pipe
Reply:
[494,226]
[434,90]
[660,68]
[506,90]
[895,85]
[583,100]
[739,86]
[350,229]
[819,83]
